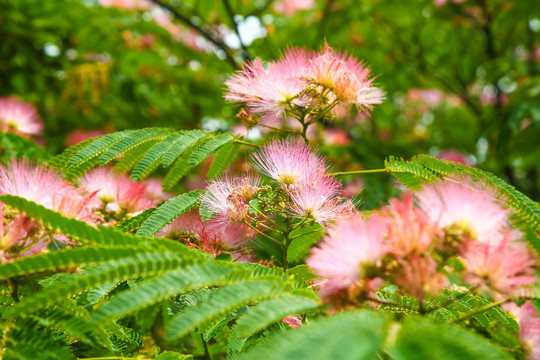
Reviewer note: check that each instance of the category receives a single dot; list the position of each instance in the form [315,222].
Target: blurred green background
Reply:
[458,75]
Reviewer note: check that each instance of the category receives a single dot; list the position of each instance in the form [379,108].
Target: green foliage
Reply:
[328,338]
[15,146]
[167,212]
[224,157]
[421,338]
[143,152]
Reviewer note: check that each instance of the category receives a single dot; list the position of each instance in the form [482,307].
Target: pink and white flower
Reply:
[529,327]
[472,207]
[352,246]
[19,117]
[498,266]
[289,161]
[228,198]
[117,192]
[319,198]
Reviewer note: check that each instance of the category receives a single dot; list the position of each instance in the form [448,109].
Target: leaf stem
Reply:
[480,310]
[263,234]
[356,172]
[245,143]
[309,232]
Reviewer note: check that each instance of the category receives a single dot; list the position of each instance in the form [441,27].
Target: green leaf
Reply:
[422,338]
[272,310]
[167,212]
[131,140]
[140,265]
[152,159]
[186,140]
[209,148]
[346,336]
[224,157]
[221,302]
[96,146]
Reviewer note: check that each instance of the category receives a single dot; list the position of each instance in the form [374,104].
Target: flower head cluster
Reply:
[19,117]
[228,198]
[208,237]
[529,327]
[452,219]
[306,84]
[118,193]
[23,236]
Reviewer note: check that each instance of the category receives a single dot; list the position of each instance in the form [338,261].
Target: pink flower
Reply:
[293,321]
[419,275]
[289,7]
[269,92]
[345,255]
[228,199]
[117,192]
[498,266]
[212,238]
[348,78]
[45,187]
[431,97]
[409,229]
[529,327]
[154,187]
[19,117]
[471,207]
[288,161]
[318,197]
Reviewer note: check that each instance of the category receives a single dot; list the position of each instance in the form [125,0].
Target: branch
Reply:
[230,12]
[207,35]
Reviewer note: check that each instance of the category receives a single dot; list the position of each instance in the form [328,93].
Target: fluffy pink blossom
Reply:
[498,266]
[419,275]
[228,199]
[351,246]
[409,229]
[289,161]
[347,77]
[293,321]
[269,91]
[118,192]
[289,7]
[472,207]
[319,198]
[19,117]
[529,327]
[154,187]
[45,187]
[210,236]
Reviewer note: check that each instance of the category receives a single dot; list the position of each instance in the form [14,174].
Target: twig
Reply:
[480,310]
[356,172]
[207,35]
[230,12]
[245,143]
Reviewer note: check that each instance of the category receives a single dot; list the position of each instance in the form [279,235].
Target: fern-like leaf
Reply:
[167,212]
[224,157]
[346,336]
[221,302]
[185,141]
[209,148]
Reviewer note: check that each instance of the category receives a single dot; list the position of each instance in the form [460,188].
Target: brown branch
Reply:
[230,12]
[217,41]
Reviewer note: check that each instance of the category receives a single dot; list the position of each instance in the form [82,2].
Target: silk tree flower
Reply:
[351,248]
[270,91]
[289,7]
[117,192]
[419,275]
[228,198]
[529,327]
[348,78]
[318,197]
[409,229]
[45,187]
[498,266]
[289,161]
[211,239]
[19,117]
[22,236]
[472,208]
